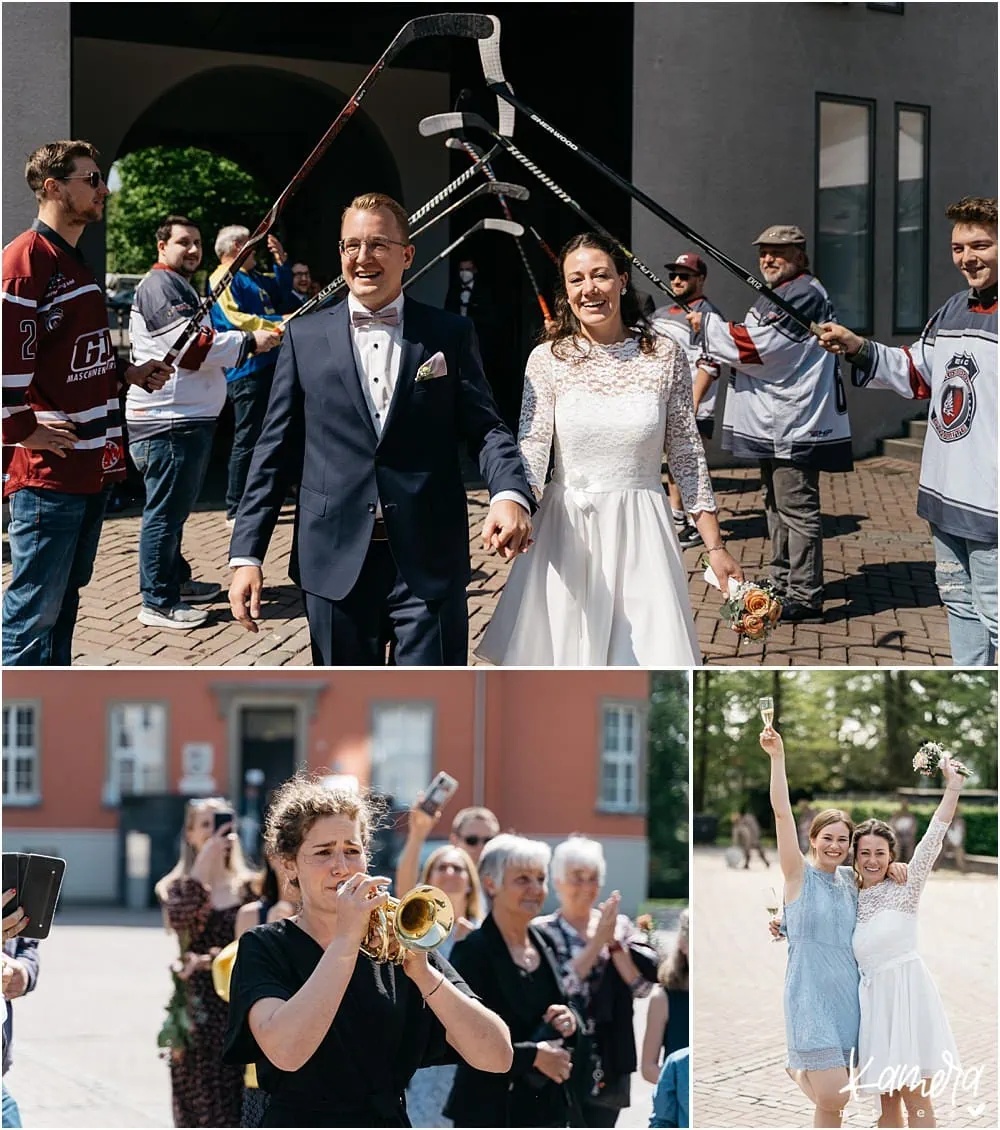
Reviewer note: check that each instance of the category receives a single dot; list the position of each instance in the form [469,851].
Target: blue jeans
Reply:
[53,543]
[173,465]
[11,1115]
[966,574]
[249,396]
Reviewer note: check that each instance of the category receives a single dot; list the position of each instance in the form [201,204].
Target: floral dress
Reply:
[206,1091]
[605,583]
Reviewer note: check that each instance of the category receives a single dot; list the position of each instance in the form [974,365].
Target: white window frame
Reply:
[11,754]
[150,775]
[620,758]
[415,777]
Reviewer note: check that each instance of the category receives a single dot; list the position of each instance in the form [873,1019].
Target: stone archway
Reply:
[267,121]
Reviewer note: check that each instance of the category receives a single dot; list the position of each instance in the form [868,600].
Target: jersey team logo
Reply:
[52,319]
[952,418]
[113,455]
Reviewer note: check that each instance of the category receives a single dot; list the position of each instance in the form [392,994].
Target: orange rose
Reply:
[753,626]
[775,614]
[756,602]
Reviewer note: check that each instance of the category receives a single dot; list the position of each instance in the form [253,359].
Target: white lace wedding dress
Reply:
[605,583]
[905,1036]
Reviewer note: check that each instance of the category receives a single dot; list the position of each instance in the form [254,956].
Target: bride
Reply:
[605,584]
[905,1038]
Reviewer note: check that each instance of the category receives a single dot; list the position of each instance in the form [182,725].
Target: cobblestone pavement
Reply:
[739,1037]
[882,607]
[85,1046]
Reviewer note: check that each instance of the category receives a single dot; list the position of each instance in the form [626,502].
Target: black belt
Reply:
[379,532]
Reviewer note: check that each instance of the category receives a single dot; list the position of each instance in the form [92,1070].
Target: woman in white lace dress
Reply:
[605,583]
[905,1037]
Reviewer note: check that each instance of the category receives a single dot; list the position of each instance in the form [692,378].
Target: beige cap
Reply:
[781,233]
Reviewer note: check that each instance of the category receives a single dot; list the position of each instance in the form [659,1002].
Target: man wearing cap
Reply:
[687,280]
[785,408]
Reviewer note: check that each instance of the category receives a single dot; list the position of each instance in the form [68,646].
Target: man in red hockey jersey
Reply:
[62,432]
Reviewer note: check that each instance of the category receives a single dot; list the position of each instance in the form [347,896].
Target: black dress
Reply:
[522,1096]
[381,1034]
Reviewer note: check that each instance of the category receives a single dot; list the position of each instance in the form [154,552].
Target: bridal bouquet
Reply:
[928,760]
[752,610]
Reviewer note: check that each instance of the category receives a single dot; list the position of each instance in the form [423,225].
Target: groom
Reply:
[370,403]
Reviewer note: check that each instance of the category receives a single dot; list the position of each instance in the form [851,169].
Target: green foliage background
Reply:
[980,819]
[843,731]
[210,190]
[668,792]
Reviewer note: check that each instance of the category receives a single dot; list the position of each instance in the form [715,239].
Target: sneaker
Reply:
[199,592]
[795,613]
[689,536]
[181,616]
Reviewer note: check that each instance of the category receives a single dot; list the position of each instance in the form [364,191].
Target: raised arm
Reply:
[930,843]
[789,856]
[418,828]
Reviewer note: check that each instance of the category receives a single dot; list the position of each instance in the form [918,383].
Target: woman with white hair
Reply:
[605,962]
[507,962]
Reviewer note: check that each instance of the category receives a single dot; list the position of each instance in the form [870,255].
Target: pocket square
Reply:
[430,370]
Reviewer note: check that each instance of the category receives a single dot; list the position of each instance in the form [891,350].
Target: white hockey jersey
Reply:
[785,399]
[954,366]
[672,321]
[163,303]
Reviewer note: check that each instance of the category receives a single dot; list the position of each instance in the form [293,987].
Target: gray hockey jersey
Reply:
[785,399]
[954,366]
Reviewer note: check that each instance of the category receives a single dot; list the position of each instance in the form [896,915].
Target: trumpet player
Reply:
[336,1035]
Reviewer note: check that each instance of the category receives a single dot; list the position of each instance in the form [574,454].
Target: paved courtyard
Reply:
[85,1040]
[739,1037]
[882,607]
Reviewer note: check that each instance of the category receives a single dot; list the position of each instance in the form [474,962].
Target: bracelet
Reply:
[434,990]
[714,548]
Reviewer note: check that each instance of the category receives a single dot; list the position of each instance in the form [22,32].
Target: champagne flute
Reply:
[766,707]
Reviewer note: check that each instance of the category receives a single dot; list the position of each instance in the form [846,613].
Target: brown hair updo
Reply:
[304,799]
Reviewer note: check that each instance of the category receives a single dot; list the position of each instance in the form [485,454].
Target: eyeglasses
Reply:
[94,179]
[300,274]
[475,841]
[378,246]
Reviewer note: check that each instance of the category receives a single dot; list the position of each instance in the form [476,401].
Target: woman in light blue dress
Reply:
[822,1013]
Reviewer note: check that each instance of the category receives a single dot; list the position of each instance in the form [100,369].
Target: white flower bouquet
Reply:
[928,758]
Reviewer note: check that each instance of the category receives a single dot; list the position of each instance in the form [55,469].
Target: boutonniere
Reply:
[432,369]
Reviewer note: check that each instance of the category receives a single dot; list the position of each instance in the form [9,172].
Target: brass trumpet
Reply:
[421,920]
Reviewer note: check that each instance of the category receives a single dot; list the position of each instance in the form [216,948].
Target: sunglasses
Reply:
[475,841]
[685,275]
[94,179]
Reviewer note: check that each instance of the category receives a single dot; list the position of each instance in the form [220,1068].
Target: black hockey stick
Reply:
[491,188]
[440,123]
[458,24]
[483,225]
[476,154]
[502,90]
[333,288]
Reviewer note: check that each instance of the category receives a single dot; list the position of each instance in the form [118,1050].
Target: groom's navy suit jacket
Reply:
[318,432]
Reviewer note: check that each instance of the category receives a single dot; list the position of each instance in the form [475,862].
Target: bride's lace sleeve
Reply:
[534,433]
[684,449]
[924,855]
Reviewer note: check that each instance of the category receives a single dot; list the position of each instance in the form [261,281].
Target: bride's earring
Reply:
[623,291]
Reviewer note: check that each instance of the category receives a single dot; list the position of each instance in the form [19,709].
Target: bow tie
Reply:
[389,317]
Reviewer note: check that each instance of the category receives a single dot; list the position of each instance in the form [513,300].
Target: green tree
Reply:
[210,190]
[668,779]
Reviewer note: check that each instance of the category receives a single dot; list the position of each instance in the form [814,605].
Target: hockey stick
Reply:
[321,297]
[461,25]
[491,188]
[481,158]
[475,154]
[439,123]
[502,90]
[483,225]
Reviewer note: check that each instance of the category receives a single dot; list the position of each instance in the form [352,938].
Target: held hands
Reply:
[771,743]
[507,529]
[244,595]
[150,376]
[839,339]
[553,1060]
